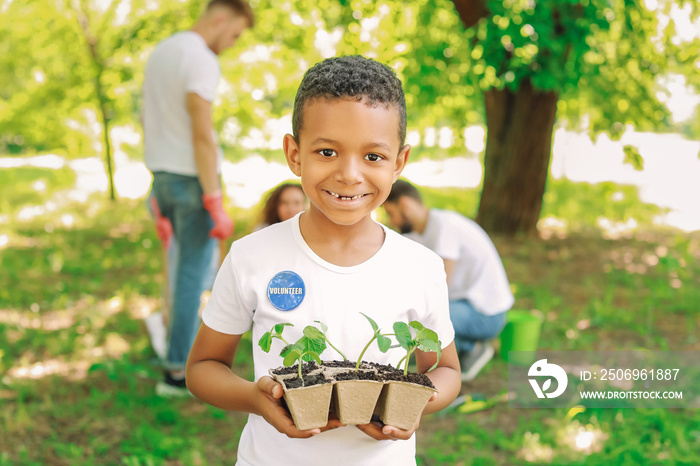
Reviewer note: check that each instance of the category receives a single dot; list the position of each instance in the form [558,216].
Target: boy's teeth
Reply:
[357,196]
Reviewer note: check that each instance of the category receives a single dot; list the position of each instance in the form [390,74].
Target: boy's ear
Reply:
[401,160]
[292,154]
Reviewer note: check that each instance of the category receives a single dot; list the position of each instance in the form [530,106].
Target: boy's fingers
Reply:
[374,431]
[397,434]
[333,423]
[269,386]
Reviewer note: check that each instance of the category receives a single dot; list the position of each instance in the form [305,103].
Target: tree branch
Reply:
[471,11]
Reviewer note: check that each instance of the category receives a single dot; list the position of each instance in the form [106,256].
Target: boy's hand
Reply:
[271,409]
[379,431]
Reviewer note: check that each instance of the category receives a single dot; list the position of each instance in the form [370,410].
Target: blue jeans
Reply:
[472,326]
[180,200]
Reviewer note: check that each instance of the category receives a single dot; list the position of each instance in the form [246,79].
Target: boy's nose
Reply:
[350,170]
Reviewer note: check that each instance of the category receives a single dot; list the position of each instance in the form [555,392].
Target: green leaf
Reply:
[279,328]
[293,356]
[317,345]
[384,343]
[311,356]
[371,322]
[417,325]
[633,157]
[403,334]
[289,348]
[265,342]
[324,327]
[437,361]
[313,333]
[428,345]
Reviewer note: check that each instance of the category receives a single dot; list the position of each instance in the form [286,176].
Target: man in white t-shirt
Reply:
[478,286]
[182,152]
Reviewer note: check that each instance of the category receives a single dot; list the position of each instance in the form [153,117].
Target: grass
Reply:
[77,384]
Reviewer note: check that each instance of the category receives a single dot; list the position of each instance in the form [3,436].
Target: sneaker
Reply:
[157,333]
[172,388]
[473,362]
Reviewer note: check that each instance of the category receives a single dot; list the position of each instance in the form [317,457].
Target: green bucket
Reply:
[521,333]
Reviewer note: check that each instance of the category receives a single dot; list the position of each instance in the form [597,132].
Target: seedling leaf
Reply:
[308,344]
[384,343]
[311,355]
[374,325]
[324,327]
[437,361]
[285,351]
[291,357]
[403,335]
[265,342]
[279,328]
[313,333]
[417,325]
[428,346]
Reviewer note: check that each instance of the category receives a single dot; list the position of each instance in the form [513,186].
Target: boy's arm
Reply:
[447,379]
[210,378]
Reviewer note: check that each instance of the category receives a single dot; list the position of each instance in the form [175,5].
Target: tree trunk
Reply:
[81,10]
[516,162]
[104,114]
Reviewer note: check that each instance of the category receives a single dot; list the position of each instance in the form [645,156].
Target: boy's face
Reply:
[347,156]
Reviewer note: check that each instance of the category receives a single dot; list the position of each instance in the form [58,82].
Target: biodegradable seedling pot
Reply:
[309,403]
[400,404]
[354,400]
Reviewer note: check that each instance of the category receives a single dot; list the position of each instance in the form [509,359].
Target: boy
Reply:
[349,127]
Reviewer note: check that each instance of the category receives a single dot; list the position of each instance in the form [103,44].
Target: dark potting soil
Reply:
[412,377]
[359,375]
[305,369]
[388,372]
[341,364]
[309,380]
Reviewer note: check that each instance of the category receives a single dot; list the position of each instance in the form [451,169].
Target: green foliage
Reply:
[633,157]
[314,334]
[70,298]
[582,205]
[424,340]
[305,349]
[383,342]
[265,341]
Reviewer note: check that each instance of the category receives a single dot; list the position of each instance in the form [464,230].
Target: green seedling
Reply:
[307,348]
[265,341]
[383,341]
[314,333]
[424,340]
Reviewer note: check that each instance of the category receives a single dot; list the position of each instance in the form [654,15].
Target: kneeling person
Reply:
[478,286]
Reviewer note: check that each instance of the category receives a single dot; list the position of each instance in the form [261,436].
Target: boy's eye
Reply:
[373,157]
[327,152]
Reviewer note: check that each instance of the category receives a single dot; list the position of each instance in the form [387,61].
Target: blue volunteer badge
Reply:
[286,291]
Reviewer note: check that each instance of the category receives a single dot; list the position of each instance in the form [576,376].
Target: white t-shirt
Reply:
[179,65]
[478,274]
[270,270]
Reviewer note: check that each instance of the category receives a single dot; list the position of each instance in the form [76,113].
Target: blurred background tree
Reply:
[593,64]
[72,69]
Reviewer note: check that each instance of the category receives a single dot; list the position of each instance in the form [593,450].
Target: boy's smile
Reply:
[348,156]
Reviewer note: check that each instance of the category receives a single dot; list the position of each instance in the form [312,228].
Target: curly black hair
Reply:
[350,76]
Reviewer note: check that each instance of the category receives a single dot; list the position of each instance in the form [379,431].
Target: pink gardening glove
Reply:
[223,225]
[164,229]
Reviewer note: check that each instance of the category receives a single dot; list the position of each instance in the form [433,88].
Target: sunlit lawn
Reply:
[78,384]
